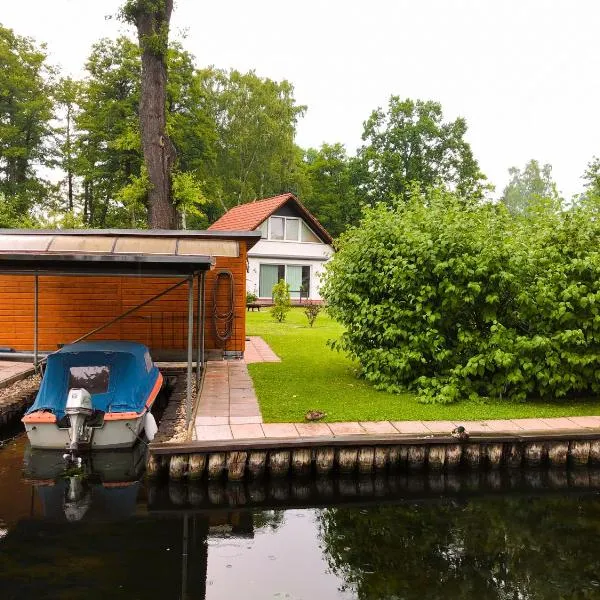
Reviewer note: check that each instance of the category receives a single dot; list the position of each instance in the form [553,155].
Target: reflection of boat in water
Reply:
[104,485]
[95,395]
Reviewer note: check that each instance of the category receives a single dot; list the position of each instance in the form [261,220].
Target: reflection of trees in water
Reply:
[500,548]
[268,519]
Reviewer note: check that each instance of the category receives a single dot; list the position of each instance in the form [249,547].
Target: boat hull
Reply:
[121,433]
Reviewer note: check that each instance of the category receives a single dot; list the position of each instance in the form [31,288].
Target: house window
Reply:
[264,229]
[296,276]
[289,229]
[277,228]
[307,235]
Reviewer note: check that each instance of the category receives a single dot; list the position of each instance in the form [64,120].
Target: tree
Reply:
[330,194]
[411,143]
[26,113]
[530,187]
[256,125]
[592,177]
[67,96]
[152,18]
[108,143]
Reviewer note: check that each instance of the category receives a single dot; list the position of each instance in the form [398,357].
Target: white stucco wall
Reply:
[288,253]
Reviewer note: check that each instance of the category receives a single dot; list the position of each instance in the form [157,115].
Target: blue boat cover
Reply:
[131,376]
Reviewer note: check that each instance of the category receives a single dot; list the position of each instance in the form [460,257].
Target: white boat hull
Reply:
[121,433]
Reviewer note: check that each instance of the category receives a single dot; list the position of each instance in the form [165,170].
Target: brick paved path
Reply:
[229,410]
[257,350]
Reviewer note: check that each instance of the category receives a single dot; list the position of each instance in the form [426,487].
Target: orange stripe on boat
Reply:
[155,391]
[39,417]
[123,416]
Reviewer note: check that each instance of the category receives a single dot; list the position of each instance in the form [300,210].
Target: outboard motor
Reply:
[79,408]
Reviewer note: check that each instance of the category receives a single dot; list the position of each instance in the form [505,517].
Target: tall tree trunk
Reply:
[159,153]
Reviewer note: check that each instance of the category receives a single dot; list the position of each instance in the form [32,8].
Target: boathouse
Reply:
[59,286]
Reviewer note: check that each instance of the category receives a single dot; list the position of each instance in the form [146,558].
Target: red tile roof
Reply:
[247,217]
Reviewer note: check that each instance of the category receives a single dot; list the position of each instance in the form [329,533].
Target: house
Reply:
[294,246]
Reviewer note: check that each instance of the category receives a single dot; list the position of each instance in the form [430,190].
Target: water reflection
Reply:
[403,537]
[500,548]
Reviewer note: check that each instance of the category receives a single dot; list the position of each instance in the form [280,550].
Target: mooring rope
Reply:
[223,321]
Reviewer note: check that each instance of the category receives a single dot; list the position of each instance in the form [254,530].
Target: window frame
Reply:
[298,240]
[285,275]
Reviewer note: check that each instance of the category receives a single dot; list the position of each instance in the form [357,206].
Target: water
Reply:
[102,540]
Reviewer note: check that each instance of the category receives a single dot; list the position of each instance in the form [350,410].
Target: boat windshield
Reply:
[92,378]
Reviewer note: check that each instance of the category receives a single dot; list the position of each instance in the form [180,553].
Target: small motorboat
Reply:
[94,396]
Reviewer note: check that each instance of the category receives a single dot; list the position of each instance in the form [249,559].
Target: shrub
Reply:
[312,310]
[456,300]
[281,300]
[251,297]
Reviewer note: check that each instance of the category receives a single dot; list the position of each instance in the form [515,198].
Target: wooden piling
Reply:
[416,457]
[178,465]
[381,458]
[397,456]
[366,456]
[472,455]
[513,455]
[558,453]
[453,456]
[196,466]
[324,460]
[154,466]
[236,465]
[595,453]
[534,454]
[257,464]
[346,459]
[217,462]
[302,461]
[437,457]
[279,463]
[493,454]
[579,453]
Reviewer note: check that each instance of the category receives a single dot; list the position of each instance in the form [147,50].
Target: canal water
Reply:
[64,536]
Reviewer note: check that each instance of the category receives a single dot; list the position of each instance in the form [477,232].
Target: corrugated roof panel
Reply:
[191,247]
[78,243]
[145,245]
[24,243]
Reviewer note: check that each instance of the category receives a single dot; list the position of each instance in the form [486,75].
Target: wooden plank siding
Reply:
[69,307]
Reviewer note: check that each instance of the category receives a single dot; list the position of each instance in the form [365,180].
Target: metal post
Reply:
[198,332]
[35,322]
[190,350]
[203,319]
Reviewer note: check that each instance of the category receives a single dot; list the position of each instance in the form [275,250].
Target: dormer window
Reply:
[289,229]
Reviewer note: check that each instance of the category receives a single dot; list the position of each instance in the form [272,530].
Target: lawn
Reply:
[311,376]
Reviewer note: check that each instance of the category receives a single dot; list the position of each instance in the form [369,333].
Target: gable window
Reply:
[296,276]
[289,229]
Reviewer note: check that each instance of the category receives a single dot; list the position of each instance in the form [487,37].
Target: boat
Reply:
[94,396]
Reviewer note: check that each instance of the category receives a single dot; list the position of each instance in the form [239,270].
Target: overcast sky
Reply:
[524,73]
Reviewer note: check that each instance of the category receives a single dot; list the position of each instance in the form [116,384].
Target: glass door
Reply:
[293,278]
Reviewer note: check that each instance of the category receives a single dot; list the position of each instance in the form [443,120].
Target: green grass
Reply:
[312,376]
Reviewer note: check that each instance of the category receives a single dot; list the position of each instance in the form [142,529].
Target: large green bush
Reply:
[456,300]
